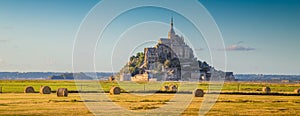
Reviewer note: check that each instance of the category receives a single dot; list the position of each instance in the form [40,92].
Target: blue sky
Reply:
[271,27]
[261,36]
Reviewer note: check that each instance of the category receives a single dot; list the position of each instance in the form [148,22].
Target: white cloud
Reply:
[3,40]
[239,47]
[199,49]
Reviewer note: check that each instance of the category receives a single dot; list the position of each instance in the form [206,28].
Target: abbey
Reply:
[174,54]
[170,59]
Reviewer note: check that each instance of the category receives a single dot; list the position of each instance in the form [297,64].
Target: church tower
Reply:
[171,33]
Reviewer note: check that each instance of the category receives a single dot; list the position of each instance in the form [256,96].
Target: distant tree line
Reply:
[70,76]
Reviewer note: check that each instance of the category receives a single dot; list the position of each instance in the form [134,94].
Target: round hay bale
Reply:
[62,92]
[173,88]
[115,91]
[165,88]
[297,91]
[266,90]
[29,89]
[111,78]
[199,93]
[45,90]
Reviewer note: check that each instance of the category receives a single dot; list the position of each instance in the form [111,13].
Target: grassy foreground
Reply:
[36,104]
[17,86]
[14,102]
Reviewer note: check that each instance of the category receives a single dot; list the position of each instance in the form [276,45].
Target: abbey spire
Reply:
[171,33]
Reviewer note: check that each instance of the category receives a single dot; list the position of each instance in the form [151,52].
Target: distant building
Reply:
[285,81]
[125,77]
[140,77]
[229,76]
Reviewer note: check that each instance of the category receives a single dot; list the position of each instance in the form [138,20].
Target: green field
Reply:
[14,102]
[17,86]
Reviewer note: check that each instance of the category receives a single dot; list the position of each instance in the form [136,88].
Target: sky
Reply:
[260,36]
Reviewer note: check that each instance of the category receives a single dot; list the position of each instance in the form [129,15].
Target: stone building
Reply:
[175,50]
[140,77]
[171,59]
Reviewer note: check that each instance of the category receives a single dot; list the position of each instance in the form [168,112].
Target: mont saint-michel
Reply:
[171,59]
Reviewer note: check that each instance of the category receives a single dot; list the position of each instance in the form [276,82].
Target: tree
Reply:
[132,58]
[204,66]
[131,69]
[199,63]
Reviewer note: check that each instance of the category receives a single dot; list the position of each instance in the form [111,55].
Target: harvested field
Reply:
[36,104]
[14,102]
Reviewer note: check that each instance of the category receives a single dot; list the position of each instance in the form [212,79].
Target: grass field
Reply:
[36,104]
[14,102]
[17,86]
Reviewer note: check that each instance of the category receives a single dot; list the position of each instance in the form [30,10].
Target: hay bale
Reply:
[297,91]
[115,91]
[29,89]
[199,93]
[111,78]
[165,88]
[62,92]
[173,88]
[266,90]
[45,90]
